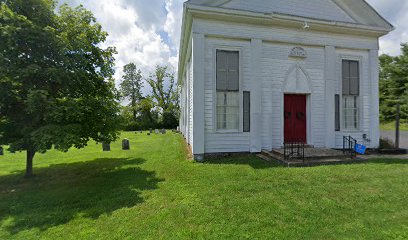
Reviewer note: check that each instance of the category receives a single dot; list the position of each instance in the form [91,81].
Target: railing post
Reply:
[397,127]
[344,144]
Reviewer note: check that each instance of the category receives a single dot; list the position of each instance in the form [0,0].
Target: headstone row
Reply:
[125,145]
[162,131]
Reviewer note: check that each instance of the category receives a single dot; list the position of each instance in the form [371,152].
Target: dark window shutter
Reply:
[337,112]
[354,78]
[346,77]
[247,111]
[222,70]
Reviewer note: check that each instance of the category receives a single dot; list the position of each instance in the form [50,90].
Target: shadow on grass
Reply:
[249,160]
[63,192]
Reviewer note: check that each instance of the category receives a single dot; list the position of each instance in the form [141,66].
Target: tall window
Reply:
[227,90]
[351,92]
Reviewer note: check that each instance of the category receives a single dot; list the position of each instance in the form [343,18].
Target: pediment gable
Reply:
[347,11]
[318,9]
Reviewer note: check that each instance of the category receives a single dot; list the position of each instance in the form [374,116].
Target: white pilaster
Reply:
[330,80]
[256,96]
[375,101]
[198,95]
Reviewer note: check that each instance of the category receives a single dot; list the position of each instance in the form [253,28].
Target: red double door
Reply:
[295,118]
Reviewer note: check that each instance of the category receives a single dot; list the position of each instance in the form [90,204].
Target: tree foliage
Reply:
[394,85]
[56,84]
[131,86]
[165,95]
[147,116]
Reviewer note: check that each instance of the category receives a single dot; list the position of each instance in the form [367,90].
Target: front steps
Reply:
[313,157]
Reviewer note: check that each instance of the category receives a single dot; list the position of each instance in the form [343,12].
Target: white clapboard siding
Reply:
[215,141]
[273,65]
[364,98]
[191,93]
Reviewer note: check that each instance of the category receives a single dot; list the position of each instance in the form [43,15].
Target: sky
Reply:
[147,32]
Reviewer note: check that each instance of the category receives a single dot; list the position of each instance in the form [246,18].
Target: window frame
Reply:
[359,60]
[240,90]
[356,102]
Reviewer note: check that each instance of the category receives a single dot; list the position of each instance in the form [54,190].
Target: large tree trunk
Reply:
[29,165]
[135,115]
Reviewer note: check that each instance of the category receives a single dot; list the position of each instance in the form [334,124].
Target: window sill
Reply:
[230,132]
[227,131]
[349,131]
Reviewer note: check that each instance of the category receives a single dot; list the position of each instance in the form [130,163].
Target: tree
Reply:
[147,116]
[56,84]
[131,86]
[166,96]
[394,85]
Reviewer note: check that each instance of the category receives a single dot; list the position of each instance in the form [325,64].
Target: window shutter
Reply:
[354,78]
[247,112]
[337,112]
[346,77]
[222,70]
[233,71]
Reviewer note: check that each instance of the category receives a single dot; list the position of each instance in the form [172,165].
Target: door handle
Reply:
[300,115]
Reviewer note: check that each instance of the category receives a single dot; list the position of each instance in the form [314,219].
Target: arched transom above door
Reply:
[297,80]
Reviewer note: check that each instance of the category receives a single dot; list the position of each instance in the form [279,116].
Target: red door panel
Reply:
[295,118]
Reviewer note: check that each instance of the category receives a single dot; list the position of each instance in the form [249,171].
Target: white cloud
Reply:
[173,20]
[143,32]
[395,12]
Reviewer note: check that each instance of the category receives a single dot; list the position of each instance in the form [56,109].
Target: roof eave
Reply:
[196,9]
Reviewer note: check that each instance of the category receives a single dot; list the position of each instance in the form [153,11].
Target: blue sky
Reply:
[147,32]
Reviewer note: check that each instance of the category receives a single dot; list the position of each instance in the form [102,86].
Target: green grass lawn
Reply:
[391,126]
[155,192]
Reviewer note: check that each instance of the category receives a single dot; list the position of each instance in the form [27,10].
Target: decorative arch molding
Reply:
[297,80]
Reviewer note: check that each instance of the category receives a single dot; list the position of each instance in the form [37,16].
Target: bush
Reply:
[386,144]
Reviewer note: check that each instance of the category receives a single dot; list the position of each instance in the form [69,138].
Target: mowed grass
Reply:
[391,126]
[154,191]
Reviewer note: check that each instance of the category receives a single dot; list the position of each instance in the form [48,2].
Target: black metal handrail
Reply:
[349,146]
[294,149]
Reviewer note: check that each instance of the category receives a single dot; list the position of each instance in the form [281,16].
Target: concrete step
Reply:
[272,155]
[309,162]
[315,154]
[265,158]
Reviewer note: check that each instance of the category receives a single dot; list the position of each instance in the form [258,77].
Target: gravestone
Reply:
[150,130]
[1,151]
[106,147]
[163,131]
[178,129]
[125,144]
[156,131]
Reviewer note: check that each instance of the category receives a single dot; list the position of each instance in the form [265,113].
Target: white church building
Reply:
[255,74]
